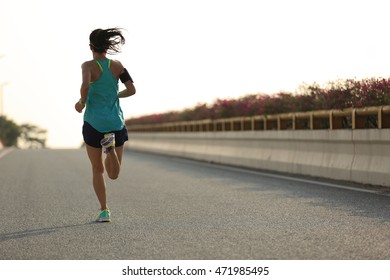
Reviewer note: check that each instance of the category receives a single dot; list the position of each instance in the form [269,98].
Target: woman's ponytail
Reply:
[107,40]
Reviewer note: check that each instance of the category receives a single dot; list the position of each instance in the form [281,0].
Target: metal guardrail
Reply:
[352,118]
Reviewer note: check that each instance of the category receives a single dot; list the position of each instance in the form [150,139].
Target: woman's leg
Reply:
[113,162]
[99,184]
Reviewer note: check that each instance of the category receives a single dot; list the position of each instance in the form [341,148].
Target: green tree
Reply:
[9,132]
[33,136]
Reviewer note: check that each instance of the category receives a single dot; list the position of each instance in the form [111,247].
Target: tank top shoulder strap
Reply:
[100,64]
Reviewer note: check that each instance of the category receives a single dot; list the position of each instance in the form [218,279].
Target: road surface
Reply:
[171,208]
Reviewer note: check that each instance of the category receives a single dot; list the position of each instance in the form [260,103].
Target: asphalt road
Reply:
[170,208]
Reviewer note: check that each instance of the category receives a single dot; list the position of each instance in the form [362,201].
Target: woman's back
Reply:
[102,107]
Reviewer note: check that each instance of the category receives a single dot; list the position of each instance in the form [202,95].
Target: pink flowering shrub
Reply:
[340,94]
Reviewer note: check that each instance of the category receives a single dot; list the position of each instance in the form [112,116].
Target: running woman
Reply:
[104,126]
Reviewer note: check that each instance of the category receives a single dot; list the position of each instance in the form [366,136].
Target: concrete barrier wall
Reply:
[361,156]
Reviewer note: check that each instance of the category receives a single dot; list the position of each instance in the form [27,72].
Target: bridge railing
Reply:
[351,118]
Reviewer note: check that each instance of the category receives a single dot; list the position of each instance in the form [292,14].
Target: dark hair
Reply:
[106,40]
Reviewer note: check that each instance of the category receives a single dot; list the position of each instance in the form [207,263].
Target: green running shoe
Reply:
[104,216]
[108,142]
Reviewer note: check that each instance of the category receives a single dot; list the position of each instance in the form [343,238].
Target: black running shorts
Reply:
[92,137]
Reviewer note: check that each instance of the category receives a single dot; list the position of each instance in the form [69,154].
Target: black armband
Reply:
[125,76]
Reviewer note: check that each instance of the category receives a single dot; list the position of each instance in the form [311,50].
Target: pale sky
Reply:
[181,53]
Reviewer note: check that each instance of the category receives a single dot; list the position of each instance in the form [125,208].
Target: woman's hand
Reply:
[79,107]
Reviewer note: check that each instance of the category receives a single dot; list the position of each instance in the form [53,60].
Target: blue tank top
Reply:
[103,111]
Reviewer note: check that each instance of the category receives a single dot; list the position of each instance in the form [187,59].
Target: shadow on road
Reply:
[35,232]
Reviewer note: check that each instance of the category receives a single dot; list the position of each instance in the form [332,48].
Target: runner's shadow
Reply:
[36,232]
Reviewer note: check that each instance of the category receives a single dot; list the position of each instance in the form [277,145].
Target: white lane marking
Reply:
[5,152]
[308,181]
